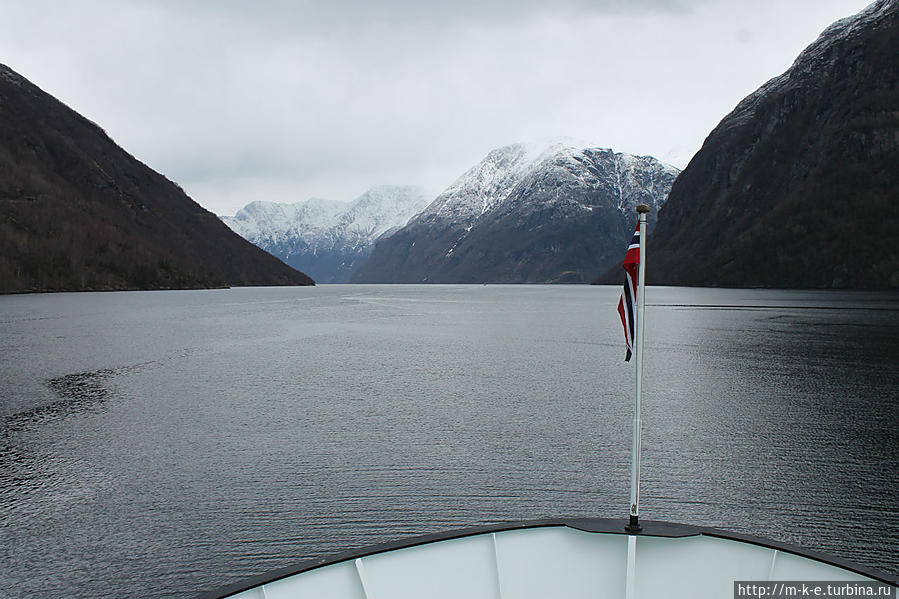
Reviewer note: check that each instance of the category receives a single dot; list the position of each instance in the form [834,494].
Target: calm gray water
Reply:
[158,444]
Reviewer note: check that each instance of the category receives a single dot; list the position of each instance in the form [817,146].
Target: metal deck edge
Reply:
[651,528]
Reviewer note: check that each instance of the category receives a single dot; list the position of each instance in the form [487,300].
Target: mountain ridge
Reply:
[797,187]
[525,213]
[78,212]
[328,239]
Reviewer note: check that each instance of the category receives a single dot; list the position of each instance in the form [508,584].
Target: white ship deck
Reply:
[573,559]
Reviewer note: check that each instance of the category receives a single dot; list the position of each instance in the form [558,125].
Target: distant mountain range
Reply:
[78,212]
[525,214]
[799,185]
[327,239]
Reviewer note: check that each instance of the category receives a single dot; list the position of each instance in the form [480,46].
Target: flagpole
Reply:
[634,522]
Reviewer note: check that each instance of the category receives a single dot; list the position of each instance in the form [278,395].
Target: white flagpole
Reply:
[633,523]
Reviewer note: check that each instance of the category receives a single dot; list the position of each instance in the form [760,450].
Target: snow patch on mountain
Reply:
[272,223]
[539,167]
[487,183]
[525,213]
[325,238]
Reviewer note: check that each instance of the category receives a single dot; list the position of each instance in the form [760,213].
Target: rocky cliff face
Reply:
[525,214]
[327,239]
[78,212]
[799,185]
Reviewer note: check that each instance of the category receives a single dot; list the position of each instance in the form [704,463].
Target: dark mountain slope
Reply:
[78,212]
[799,186]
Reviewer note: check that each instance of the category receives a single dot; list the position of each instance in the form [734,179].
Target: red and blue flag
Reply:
[629,293]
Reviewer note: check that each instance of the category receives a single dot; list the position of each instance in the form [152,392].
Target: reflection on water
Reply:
[175,441]
[80,392]
[22,471]
[82,386]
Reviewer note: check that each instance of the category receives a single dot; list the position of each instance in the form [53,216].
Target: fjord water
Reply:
[158,444]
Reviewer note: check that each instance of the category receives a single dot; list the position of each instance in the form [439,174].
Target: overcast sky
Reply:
[285,100]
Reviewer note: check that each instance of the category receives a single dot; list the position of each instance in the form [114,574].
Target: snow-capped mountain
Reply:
[486,184]
[525,214]
[327,239]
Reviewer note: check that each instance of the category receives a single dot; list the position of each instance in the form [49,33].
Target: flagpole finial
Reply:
[642,208]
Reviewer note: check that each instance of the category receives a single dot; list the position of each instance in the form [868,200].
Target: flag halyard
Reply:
[628,299]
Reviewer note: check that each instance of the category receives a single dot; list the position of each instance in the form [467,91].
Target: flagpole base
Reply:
[633,526]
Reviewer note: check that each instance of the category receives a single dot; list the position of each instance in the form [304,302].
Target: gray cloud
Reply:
[305,16]
[283,100]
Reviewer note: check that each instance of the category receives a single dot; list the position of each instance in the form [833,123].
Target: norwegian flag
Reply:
[629,293]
